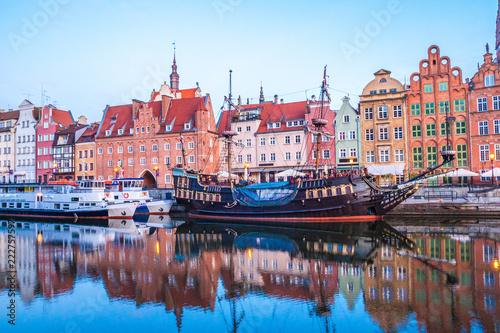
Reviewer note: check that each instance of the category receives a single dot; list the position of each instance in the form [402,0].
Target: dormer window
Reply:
[382,80]
[168,128]
[113,119]
[187,126]
[131,131]
[137,130]
[108,132]
[120,131]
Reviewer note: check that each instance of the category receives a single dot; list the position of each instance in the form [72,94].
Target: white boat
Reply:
[131,190]
[83,199]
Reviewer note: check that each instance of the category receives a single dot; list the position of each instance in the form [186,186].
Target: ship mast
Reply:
[320,122]
[228,133]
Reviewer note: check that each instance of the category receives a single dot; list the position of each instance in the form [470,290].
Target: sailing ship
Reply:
[311,202]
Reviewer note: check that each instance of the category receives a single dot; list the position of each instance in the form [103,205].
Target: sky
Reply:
[84,55]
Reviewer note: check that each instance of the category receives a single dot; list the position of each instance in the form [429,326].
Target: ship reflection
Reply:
[213,266]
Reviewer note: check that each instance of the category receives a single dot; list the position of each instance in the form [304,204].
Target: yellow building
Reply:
[384,129]
[85,152]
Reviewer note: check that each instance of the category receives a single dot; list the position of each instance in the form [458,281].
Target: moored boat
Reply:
[83,199]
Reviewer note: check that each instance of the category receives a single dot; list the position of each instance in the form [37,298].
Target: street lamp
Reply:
[351,161]
[56,170]
[117,170]
[157,169]
[245,175]
[492,157]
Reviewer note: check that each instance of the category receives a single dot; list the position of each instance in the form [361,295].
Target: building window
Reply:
[430,130]
[443,105]
[483,128]
[297,139]
[415,109]
[341,136]
[489,80]
[249,158]
[398,155]
[155,161]
[154,148]
[482,104]
[110,163]
[462,155]
[352,135]
[191,145]
[288,156]
[384,156]
[178,146]
[460,127]
[369,135]
[417,158]
[428,88]
[346,118]
[442,127]
[142,148]
[431,156]
[287,140]
[262,141]
[130,162]
[352,152]
[416,131]
[168,179]
[249,142]
[443,86]
[397,111]
[272,141]
[368,113]
[326,153]
[238,129]
[273,157]
[429,108]
[496,126]
[262,157]
[191,159]
[370,157]
[382,112]
[298,155]
[383,133]
[484,153]
[342,153]
[167,160]
[398,133]
[110,150]
[120,150]
[383,91]
[187,126]
[373,92]
[459,105]
[248,129]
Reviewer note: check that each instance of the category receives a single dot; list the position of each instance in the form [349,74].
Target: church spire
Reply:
[261,98]
[174,77]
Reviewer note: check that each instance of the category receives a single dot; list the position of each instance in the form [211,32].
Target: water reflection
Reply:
[356,276]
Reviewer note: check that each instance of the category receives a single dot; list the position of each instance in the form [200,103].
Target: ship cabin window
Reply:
[211,197]
[11,205]
[348,190]
[4,205]
[204,196]
[4,224]
[19,205]
[320,194]
[339,191]
[57,206]
[65,206]
[329,192]
[311,194]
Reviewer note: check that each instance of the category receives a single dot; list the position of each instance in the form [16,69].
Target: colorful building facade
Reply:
[25,143]
[437,94]
[383,136]
[85,154]
[347,144]
[8,122]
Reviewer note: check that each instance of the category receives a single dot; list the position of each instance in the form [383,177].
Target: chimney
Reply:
[275,99]
[136,104]
[10,110]
[2,110]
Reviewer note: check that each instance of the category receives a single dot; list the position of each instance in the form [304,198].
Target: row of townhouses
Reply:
[396,131]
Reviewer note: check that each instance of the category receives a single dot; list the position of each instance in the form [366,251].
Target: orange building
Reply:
[435,90]
[485,116]
[85,154]
[142,139]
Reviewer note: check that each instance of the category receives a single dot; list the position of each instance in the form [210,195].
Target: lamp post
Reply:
[245,175]
[117,172]
[492,157]
[351,162]
[157,169]
[55,170]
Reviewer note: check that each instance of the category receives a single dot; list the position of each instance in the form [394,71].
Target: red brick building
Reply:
[485,116]
[435,86]
[142,139]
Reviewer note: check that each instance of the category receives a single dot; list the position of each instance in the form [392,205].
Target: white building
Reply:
[7,144]
[25,144]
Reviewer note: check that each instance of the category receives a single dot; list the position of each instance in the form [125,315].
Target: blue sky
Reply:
[88,54]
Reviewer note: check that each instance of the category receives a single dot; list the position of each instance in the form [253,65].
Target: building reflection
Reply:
[373,266]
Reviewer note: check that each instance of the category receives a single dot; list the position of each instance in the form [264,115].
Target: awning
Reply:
[19,173]
[386,169]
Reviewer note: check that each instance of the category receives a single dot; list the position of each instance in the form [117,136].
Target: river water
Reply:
[396,276]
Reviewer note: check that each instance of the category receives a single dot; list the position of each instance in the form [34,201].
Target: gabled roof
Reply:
[89,134]
[9,115]
[63,118]
[178,112]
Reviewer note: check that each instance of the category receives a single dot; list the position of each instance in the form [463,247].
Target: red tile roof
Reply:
[178,112]
[64,118]
[89,134]
[9,115]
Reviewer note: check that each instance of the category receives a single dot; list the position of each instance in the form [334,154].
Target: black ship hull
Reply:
[316,202]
